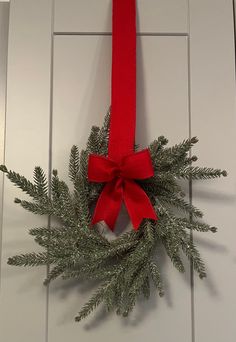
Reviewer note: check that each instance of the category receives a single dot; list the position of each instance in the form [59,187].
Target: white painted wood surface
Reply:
[23,297]
[214,122]
[81,95]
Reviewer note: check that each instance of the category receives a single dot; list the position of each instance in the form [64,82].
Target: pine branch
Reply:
[134,290]
[156,277]
[156,146]
[146,288]
[21,182]
[173,253]
[94,301]
[93,236]
[62,201]
[29,259]
[192,253]
[195,172]
[181,149]
[168,158]
[180,204]
[93,140]
[40,182]
[82,203]
[132,236]
[104,135]
[162,184]
[114,251]
[47,232]
[74,164]
[194,225]
[149,233]
[54,273]
[94,272]
[35,208]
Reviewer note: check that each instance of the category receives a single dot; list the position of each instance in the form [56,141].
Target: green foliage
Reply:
[94,301]
[30,259]
[127,265]
[74,164]
[40,181]
[156,277]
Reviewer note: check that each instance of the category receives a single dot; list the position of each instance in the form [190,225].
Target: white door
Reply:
[58,85]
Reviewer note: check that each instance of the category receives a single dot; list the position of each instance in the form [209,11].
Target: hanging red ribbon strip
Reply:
[122,166]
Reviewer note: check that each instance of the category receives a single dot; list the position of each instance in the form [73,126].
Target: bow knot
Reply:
[118,172]
[121,186]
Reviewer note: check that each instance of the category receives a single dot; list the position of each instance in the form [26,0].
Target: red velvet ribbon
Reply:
[122,166]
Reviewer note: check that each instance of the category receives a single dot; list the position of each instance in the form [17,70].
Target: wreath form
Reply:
[128,264]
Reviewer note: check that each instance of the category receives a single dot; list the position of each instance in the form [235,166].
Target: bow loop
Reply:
[101,169]
[137,165]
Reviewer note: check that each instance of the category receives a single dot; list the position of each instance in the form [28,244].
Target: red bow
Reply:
[121,186]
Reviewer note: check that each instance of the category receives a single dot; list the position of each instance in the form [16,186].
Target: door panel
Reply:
[162,16]
[80,99]
[213,121]
[23,298]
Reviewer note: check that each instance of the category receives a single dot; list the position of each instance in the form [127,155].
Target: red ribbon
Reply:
[122,166]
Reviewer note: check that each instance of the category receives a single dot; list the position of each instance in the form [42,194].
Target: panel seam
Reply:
[163,34]
[50,158]
[192,303]
[3,138]
[234,29]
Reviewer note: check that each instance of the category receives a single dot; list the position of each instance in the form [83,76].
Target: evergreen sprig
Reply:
[127,265]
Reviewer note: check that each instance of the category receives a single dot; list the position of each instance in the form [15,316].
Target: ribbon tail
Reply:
[108,204]
[137,203]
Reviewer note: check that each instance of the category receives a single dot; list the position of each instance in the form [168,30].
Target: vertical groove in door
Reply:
[234,23]
[190,181]
[4,28]
[50,152]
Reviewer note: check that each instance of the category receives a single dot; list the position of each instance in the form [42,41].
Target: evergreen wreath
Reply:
[126,265]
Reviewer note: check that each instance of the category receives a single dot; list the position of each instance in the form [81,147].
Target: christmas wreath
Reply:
[109,171]
[125,266]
